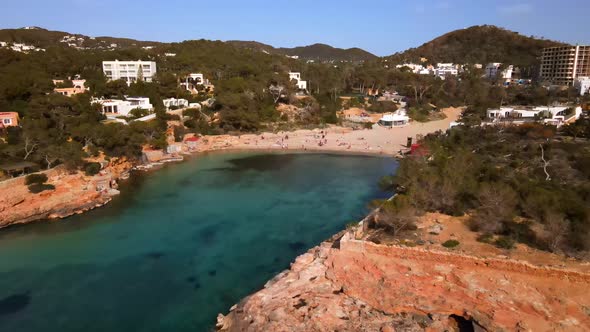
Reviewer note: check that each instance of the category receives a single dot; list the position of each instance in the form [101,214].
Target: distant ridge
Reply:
[319,52]
[44,38]
[478,44]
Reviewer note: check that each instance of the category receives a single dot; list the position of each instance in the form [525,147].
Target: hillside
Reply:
[323,52]
[43,38]
[317,52]
[478,44]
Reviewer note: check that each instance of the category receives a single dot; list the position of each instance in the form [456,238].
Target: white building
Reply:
[173,102]
[116,107]
[398,118]
[582,84]
[556,115]
[130,71]
[302,85]
[191,81]
[493,71]
[444,69]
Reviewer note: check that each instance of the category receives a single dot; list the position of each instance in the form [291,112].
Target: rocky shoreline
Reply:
[74,193]
[350,284]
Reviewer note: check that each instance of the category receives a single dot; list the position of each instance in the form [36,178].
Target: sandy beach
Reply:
[379,140]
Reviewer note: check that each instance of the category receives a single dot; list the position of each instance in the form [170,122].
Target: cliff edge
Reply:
[346,284]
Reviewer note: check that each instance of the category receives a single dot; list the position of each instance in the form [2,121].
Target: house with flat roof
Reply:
[295,76]
[175,103]
[192,81]
[79,86]
[553,115]
[116,107]
[583,85]
[444,69]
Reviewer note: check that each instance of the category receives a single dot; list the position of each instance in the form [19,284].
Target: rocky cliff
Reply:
[355,285]
[74,193]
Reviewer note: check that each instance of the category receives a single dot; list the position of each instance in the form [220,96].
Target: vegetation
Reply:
[35,178]
[36,183]
[92,169]
[317,52]
[479,44]
[450,243]
[528,184]
[36,188]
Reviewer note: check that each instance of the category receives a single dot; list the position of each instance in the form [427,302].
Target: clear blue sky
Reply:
[379,26]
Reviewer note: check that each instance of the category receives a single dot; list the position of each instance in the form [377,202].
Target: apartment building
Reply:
[562,65]
[130,71]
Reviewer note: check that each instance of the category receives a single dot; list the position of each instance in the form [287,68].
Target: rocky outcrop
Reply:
[355,285]
[74,193]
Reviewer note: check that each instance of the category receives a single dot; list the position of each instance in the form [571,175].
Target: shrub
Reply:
[92,169]
[36,178]
[36,188]
[368,125]
[450,243]
[504,242]
[486,238]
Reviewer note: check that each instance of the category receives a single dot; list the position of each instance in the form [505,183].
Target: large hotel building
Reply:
[562,65]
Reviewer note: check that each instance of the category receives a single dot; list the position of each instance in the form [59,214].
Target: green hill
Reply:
[317,52]
[43,38]
[478,44]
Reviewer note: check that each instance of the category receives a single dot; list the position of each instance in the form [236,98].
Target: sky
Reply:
[379,26]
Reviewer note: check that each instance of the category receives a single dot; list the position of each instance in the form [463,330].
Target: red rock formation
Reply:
[354,285]
[74,193]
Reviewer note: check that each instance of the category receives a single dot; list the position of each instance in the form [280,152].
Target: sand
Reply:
[379,140]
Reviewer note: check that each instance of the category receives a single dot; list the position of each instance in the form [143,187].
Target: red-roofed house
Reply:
[8,119]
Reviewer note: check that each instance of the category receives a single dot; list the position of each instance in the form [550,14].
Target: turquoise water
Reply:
[180,245]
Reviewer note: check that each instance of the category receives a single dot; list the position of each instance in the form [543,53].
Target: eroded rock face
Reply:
[74,193]
[361,286]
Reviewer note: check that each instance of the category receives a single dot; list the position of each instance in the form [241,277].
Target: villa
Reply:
[79,87]
[556,115]
[193,80]
[493,71]
[444,69]
[116,107]
[301,85]
[177,103]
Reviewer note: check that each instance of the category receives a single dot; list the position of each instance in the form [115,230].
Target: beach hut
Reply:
[394,120]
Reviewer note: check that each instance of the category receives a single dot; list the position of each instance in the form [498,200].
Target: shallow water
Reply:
[182,244]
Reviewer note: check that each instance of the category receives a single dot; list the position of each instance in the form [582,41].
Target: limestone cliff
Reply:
[355,285]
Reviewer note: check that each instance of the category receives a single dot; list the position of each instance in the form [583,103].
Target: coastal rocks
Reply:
[353,285]
[73,194]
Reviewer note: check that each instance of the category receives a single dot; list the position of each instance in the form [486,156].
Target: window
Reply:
[7,121]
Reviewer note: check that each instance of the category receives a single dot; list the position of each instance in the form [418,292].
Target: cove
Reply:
[182,244]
